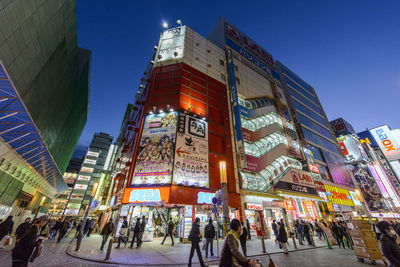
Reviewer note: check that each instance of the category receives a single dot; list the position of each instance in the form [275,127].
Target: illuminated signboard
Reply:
[289,204]
[90,161]
[84,177]
[308,152]
[338,195]
[355,198]
[81,186]
[205,198]
[92,154]
[251,206]
[171,44]
[144,195]
[319,186]
[387,142]
[86,169]
[366,137]
[191,152]
[313,168]
[352,148]
[155,156]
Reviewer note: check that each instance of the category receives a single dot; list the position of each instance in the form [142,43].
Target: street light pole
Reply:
[40,206]
[79,240]
[224,187]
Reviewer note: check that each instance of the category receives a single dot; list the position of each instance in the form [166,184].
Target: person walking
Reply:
[91,226]
[306,232]
[56,228]
[136,233]
[243,239]
[195,238]
[170,230]
[282,237]
[299,232]
[107,230]
[209,234]
[142,229]
[230,254]
[24,250]
[63,229]
[275,229]
[338,233]
[22,228]
[6,227]
[389,247]
[86,228]
[123,231]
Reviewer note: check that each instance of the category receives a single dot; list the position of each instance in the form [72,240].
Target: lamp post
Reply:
[78,242]
[224,180]
[40,206]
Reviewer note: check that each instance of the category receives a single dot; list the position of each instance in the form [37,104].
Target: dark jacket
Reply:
[306,229]
[24,248]
[170,227]
[138,227]
[21,229]
[194,234]
[107,229]
[390,249]
[243,236]
[143,226]
[209,231]
[6,227]
[282,235]
[230,254]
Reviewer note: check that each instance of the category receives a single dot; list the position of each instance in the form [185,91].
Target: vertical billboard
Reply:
[191,153]
[387,142]
[171,44]
[338,169]
[352,149]
[236,109]
[155,156]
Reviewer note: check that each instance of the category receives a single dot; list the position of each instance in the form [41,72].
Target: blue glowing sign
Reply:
[205,198]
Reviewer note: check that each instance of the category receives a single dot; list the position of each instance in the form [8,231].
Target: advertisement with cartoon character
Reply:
[154,162]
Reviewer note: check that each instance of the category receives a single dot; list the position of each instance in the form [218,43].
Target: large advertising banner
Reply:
[156,150]
[298,181]
[352,148]
[191,153]
[387,142]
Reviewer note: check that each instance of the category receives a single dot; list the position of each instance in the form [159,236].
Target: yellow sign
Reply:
[338,195]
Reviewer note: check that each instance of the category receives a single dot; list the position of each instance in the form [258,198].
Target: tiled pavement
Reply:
[153,254]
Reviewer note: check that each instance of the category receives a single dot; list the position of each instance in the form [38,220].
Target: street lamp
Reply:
[78,242]
[40,206]
[224,180]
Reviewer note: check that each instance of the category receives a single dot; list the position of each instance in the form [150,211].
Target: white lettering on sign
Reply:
[205,198]
[145,195]
[251,206]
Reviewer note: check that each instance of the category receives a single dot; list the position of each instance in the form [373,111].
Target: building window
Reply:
[222,63]
[237,80]
[223,77]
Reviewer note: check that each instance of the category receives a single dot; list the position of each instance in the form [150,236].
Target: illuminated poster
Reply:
[352,148]
[338,169]
[368,188]
[156,150]
[191,153]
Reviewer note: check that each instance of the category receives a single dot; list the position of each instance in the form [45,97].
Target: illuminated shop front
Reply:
[340,202]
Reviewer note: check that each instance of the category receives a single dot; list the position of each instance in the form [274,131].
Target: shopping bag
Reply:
[4,240]
[8,241]
[204,244]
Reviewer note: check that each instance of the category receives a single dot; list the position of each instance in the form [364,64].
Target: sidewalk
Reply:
[153,253]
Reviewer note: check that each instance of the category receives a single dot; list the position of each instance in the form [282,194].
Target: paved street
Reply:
[153,254]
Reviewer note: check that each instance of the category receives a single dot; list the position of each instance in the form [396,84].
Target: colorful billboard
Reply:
[338,195]
[155,156]
[191,153]
[338,169]
[387,142]
[352,148]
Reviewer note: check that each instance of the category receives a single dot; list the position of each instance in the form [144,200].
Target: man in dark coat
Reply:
[169,231]
[243,239]
[390,249]
[195,238]
[108,229]
[299,232]
[136,233]
[22,228]
[306,232]
[209,234]
[282,237]
[6,227]
[142,229]
[23,250]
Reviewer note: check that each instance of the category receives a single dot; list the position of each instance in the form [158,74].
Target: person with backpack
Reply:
[243,239]
[209,234]
[195,238]
[306,232]
[169,231]
[22,228]
[123,232]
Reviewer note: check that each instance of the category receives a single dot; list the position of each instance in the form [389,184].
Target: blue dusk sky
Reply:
[347,50]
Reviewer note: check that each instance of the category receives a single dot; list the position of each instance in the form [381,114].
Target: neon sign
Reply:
[313,168]
[205,198]
[145,195]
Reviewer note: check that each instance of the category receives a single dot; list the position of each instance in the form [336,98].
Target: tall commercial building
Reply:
[44,82]
[213,114]
[91,172]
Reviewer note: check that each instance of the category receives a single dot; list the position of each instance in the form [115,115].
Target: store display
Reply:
[366,245]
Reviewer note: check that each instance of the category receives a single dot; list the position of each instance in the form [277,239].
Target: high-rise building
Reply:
[44,91]
[91,172]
